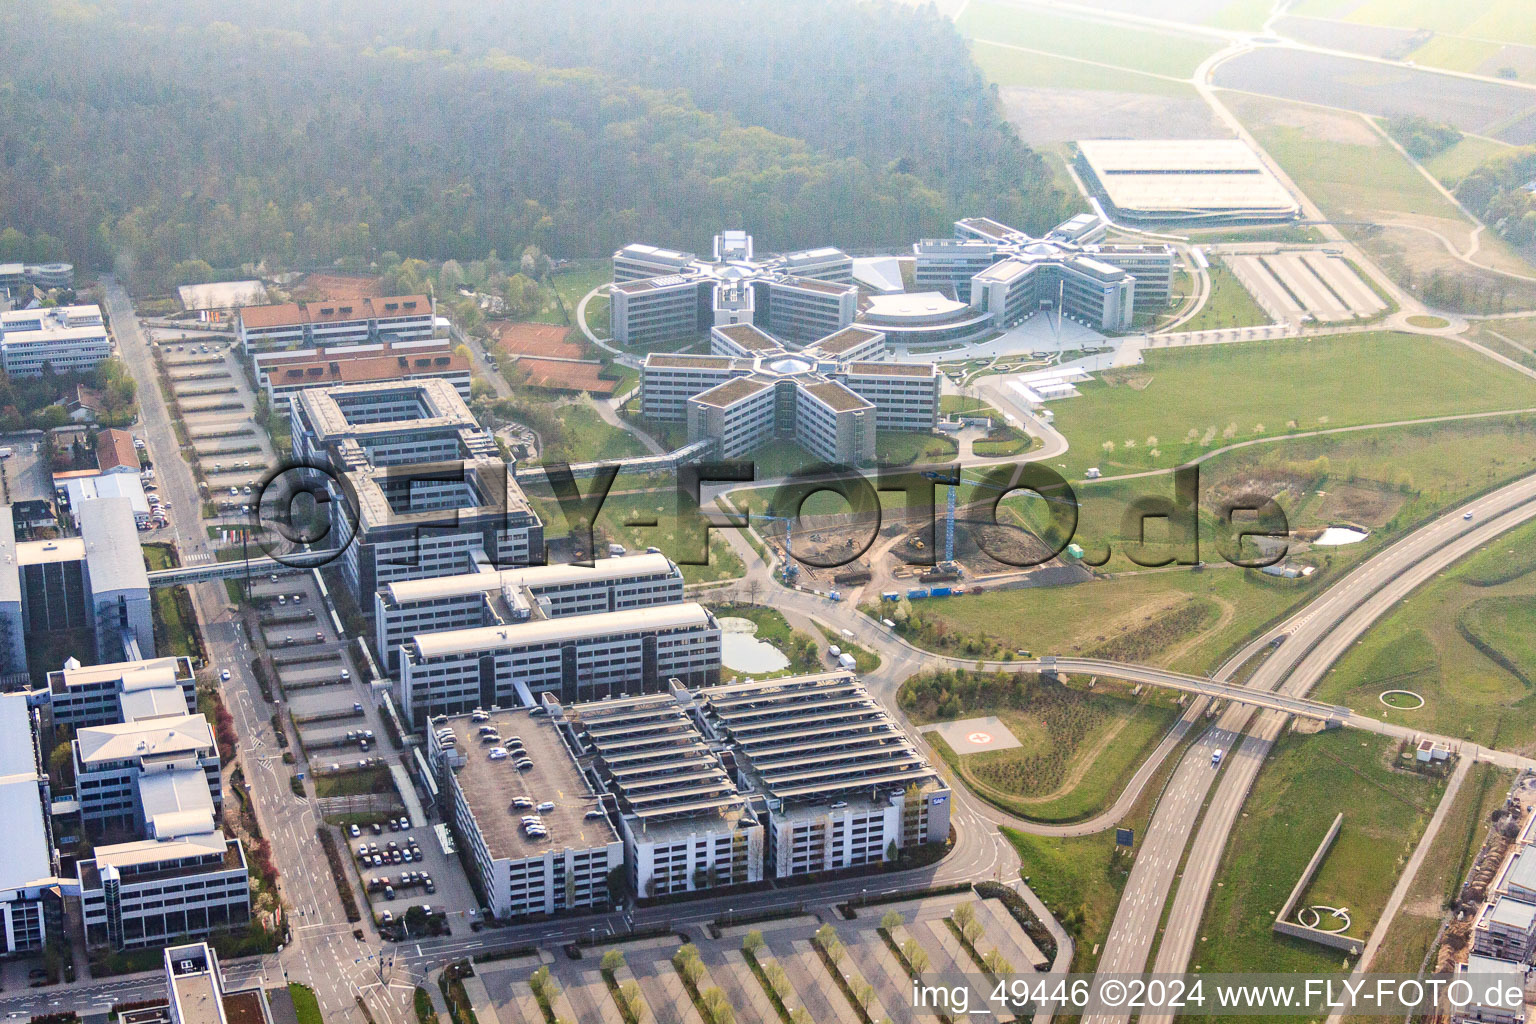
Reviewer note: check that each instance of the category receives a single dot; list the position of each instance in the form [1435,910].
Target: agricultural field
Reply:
[1228,305]
[1139,49]
[1508,21]
[1079,747]
[1185,402]
[1486,108]
[1465,643]
[1348,169]
[1304,783]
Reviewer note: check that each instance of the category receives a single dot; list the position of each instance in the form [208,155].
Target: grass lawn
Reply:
[587,438]
[1466,643]
[1453,164]
[1304,783]
[618,521]
[1414,928]
[571,284]
[175,622]
[1184,402]
[1388,479]
[369,780]
[1163,53]
[1080,878]
[305,1006]
[902,448]
[1229,305]
[159,556]
[1079,746]
[864,662]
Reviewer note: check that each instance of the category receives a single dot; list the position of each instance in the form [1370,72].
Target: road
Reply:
[1315,637]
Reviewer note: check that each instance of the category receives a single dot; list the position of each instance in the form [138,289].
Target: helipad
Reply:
[977,735]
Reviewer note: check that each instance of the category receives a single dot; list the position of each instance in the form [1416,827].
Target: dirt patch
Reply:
[1325,125]
[1065,115]
[546,340]
[1136,380]
[327,285]
[1368,506]
[561,376]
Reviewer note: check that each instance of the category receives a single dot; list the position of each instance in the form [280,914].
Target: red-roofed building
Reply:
[285,374]
[115,452]
[349,321]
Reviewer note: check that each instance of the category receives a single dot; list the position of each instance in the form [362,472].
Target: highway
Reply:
[1316,636]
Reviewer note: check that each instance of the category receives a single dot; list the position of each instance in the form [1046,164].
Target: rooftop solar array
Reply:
[807,738]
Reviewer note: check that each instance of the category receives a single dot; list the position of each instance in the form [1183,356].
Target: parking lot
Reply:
[391,883]
[215,399]
[1295,286]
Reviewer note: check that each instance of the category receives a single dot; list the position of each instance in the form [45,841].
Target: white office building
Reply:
[556,853]
[577,657]
[30,911]
[151,891]
[844,786]
[495,597]
[69,339]
[118,771]
[128,691]
[686,826]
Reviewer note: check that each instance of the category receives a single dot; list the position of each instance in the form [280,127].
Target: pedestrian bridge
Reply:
[264,566]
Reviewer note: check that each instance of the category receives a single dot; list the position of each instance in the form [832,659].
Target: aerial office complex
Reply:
[686,825]
[42,275]
[284,373]
[842,784]
[964,289]
[80,696]
[68,339]
[831,396]
[199,994]
[430,492]
[494,597]
[1185,181]
[711,786]
[358,321]
[578,657]
[564,863]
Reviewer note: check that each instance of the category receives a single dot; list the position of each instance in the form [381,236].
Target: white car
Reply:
[224,675]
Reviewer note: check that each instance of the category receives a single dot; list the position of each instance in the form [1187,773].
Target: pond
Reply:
[742,651]
[1337,535]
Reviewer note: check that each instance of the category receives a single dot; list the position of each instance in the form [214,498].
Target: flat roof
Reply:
[806,738]
[1507,910]
[924,370]
[28,857]
[730,392]
[913,306]
[667,360]
[359,368]
[490,786]
[112,552]
[403,592]
[838,397]
[683,615]
[176,802]
[45,552]
[195,988]
[990,228]
[1173,175]
[10,577]
[749,337]
[141,852]
[845,339]
[656,762]
[323,311]
[651,284]
[812,285]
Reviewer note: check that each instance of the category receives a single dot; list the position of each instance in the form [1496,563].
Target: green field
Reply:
[1509,21]
[1228,305]
[1303,784]
[1079,748]
[1466,643]
[1149,50]
[1413,930]
[619,520]
[1386,479]
[1183,402]
[305,1006]
[1008,66]
[1451,165]
[902,448]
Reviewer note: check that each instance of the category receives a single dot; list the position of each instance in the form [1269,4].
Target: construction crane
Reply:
[954,483]
[791,570]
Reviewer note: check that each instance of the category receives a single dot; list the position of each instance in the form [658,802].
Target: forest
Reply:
[325,132]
